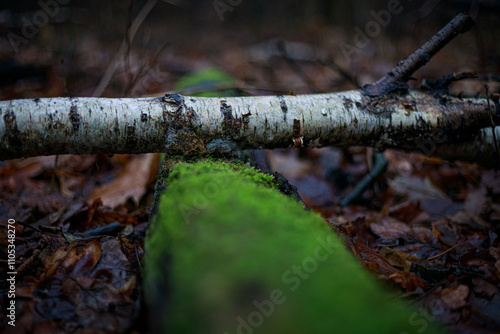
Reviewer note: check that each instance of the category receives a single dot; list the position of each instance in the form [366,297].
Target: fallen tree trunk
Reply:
[224,243]
[177,124]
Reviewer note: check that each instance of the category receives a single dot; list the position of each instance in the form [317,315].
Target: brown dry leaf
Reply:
[390,228]
[42,199]
[87,259]
[468,218]
[491,179]
[423,234]
[67,259]
[52,262]
[113,263]
[370,258]
[476,200]
[484,288]
[131,182]
[399,259]
[495,252]
[129,287]
[93,297]
[406,212]
[25,291]
[415,187]
[409,281]
[455,297]
[445,232]
[440,208]
[27,168]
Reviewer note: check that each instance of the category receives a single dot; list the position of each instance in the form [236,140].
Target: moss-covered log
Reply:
[228,253]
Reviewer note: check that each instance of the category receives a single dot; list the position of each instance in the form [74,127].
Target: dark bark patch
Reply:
[12,134]
[297,130]
[191,115]
[347,103]
[175,99]
[51,123]
[144,117]
[281,183]
[131,138]
[180,139]
[245,118]
[230,125]
[284,107]
[75,118]
[382,107]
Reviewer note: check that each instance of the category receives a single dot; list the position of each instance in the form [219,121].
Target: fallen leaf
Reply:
[484,288]
[370,258]
[131,182]
[399,259]
[68,260]
[445,232]
[390,228]
[409,281]
[455,297]
[476,200]
[415,187]
[495,252]
[406,212]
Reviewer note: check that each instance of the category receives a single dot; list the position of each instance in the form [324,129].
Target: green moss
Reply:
[207,83]
[227,254]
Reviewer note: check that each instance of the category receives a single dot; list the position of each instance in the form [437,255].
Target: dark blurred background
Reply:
[65,47]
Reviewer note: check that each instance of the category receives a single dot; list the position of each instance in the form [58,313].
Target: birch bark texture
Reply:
[184,125]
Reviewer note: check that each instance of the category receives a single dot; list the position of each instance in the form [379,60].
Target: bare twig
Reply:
[446,251]
[441,85]
[145,69]
[128,40]
[295,67]
[381,164]
[397,78]
[123,48]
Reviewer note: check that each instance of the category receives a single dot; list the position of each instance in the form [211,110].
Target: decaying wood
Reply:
[178,124]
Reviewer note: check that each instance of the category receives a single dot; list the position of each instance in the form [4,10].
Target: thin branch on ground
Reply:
[380,166]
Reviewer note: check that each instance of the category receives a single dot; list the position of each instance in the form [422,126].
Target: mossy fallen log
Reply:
[228,253]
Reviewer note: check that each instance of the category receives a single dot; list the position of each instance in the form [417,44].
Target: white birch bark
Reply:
[177,124]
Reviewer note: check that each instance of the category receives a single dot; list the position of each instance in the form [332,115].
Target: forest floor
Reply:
[428,227]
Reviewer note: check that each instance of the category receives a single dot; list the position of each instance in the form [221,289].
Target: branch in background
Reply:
[442,85]
[106,78]
[396,79]
[177,124]
[295,67]
[380,166]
